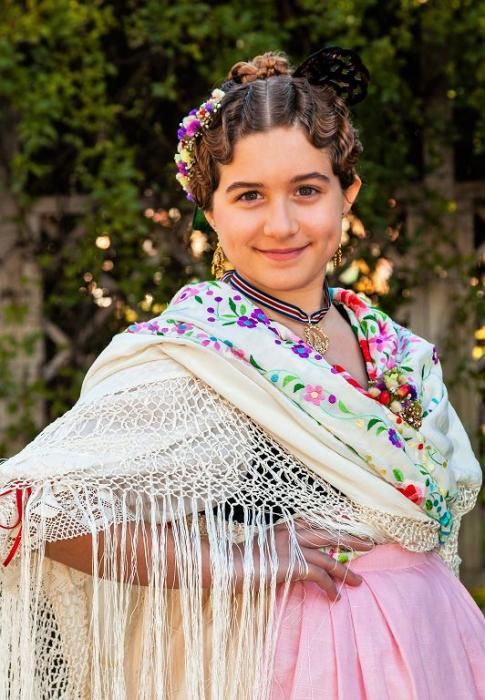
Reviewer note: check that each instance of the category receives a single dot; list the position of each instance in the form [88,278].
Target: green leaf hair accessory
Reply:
[190,127]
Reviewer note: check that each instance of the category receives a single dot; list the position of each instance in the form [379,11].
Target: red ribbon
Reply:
[20,494]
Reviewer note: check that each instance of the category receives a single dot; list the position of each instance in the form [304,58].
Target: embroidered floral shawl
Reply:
[416,462]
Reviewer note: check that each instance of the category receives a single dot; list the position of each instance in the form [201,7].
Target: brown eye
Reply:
[249,196]
[307,190]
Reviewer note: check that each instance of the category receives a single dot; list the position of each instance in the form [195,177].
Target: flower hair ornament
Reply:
[339,69]
[190,127]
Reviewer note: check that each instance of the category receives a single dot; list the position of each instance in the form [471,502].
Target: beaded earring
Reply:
[337,258]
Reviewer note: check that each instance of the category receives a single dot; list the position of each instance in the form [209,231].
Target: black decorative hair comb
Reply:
[341,69]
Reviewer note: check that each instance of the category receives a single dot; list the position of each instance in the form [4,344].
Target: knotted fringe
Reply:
[71,635]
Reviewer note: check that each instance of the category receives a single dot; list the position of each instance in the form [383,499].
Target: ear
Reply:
[350,194]
[200,221]
[210,217]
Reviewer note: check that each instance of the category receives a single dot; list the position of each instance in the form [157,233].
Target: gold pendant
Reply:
[317,339]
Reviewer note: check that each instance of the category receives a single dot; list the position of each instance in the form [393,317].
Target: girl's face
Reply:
[278,210]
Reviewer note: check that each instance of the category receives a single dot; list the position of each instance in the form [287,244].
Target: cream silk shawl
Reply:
[180,422]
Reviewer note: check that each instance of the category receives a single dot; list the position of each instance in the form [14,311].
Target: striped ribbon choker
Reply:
[314,336]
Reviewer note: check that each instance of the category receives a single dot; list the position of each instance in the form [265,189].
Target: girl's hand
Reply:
[318,567]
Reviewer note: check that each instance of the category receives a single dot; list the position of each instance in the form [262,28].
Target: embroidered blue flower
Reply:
[445,519]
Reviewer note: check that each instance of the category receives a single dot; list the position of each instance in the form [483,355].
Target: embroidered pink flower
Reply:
[182,328]
[209,340]
[144,327]
[184,294]
[237,352]
[314,394]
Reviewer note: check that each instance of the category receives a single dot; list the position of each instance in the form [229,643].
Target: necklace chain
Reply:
[314,336]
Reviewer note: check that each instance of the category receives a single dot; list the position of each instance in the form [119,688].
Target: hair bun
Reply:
[260,68]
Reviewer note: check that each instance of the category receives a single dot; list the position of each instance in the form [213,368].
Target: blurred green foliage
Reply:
[91,94]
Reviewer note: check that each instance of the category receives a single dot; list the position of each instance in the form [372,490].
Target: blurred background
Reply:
[95,233]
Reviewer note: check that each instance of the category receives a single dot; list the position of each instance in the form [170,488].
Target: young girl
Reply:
[258,493]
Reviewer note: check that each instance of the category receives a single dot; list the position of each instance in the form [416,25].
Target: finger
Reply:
[333,568]
[326,583]
[309,536]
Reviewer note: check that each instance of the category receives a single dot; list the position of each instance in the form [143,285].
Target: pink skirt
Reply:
[410,631]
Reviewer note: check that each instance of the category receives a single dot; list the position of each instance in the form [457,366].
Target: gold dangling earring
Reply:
[337,258]
[218,266]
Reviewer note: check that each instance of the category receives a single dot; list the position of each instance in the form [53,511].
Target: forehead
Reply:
[276,154]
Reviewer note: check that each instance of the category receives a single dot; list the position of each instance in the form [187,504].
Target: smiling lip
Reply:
[282,253]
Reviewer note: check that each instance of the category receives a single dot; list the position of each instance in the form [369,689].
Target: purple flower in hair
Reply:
[181,133]
[193,127]
[193,111]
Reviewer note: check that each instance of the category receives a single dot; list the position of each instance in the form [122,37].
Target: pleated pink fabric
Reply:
[410,631]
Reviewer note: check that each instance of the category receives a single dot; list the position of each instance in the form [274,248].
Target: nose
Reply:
[281,221]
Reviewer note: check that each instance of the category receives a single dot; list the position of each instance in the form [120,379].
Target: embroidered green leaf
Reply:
[407,369]
[242,309]
[372,422]
[253,362]
[232,305]
[343,407]
[380,429]
[297,387]
[229,323]
[198,299]
[429,504]
[398,475]
[289,378]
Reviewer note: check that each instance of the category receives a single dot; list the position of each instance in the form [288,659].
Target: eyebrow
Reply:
[298,178]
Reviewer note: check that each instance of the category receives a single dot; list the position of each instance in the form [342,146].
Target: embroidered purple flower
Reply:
[394,437]
[260,316]
[332,398]
[246,322]
[182,328]
[301,349]
[314,394]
